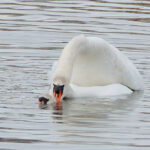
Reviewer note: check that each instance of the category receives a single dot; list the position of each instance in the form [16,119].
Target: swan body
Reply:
[98,91]
[90,65]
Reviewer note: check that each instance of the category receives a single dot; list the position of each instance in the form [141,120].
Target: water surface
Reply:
[32,35]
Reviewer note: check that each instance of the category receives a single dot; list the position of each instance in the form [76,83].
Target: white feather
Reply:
[90,65]
[50,72]
[99,91]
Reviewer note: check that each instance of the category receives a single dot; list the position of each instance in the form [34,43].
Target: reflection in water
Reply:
[79,110]
[91,120]
[58,107]
[57,113]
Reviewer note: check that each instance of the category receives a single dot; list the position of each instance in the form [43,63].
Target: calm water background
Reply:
[32,35]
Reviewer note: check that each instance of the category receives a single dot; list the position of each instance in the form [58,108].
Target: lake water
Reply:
[32,35]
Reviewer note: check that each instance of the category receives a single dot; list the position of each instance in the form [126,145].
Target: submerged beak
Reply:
[57,92]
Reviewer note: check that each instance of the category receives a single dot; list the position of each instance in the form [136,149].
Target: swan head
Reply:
[58,87]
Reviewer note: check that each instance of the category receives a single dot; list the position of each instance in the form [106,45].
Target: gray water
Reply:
[32,35]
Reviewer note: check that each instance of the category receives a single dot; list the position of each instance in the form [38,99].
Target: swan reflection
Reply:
[89,111]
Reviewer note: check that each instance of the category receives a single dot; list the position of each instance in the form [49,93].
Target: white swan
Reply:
[90,66]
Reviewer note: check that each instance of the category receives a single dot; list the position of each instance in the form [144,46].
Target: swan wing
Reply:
[99,64]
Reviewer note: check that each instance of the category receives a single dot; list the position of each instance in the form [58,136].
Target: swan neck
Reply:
[68,56]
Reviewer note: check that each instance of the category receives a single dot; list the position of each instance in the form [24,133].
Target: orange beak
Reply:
[57,96]
[41,103]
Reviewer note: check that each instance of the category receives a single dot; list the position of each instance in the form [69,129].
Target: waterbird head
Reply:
[58,88]
[43,100]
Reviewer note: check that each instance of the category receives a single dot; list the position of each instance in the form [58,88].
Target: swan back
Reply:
[102,64]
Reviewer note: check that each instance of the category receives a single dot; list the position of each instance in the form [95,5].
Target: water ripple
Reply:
[33,33]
